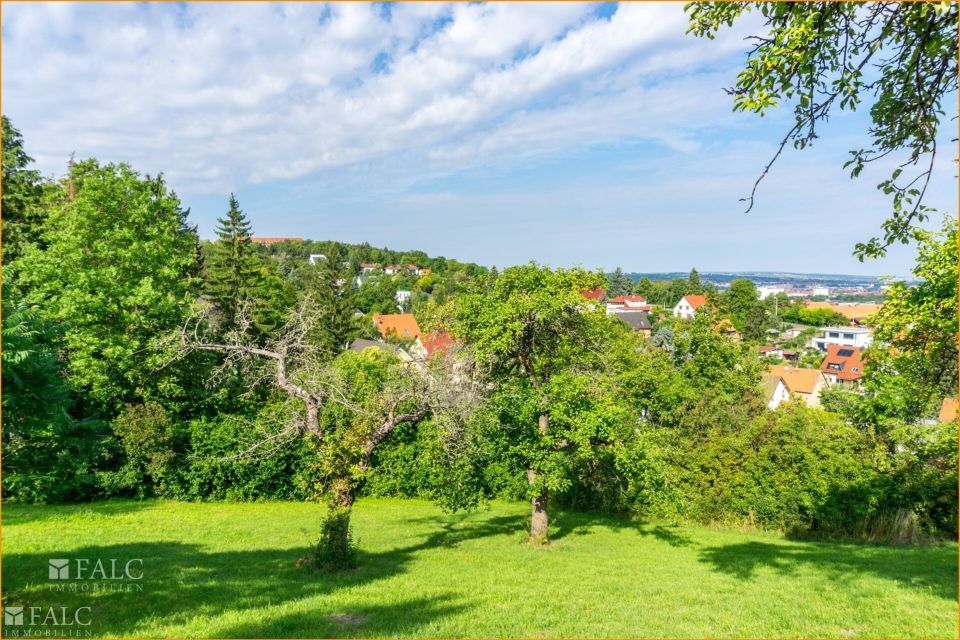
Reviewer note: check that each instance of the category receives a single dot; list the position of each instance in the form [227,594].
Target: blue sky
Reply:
[592,134]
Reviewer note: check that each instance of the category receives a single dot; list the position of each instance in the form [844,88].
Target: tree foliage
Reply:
[118,271]
[899,57]
[22,206]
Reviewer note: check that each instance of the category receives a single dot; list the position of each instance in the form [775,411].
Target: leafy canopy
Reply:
[820,56]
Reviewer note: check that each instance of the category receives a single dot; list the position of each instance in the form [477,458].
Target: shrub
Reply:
[231,458]
[151,446]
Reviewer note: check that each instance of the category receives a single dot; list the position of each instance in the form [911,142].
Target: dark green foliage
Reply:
[618,283]
[151,444]
[23,211]
[378,293]
[238,283]
[47,455]
[226,463]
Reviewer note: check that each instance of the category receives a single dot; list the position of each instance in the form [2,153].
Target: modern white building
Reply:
[766,292]
[821,291]
[859,337]
[316,257]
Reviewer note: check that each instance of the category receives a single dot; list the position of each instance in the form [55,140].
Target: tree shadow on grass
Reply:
[389,620]
[932,569]
[570,523]
[184,581]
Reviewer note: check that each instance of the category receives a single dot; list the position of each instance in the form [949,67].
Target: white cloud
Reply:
[220,96]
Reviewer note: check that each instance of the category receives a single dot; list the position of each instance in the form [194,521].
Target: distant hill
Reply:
[770,278]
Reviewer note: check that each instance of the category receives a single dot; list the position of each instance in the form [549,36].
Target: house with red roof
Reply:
[401,326]
[593,294]
[688,306]
[431,344]
[627,302]
[842,364]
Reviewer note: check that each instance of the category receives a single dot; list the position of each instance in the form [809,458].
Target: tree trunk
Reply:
[539,519]
[538,515]
[335,550]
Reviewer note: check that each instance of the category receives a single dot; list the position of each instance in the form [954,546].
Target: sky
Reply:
[571,134]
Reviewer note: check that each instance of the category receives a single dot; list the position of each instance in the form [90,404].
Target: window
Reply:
[856,369]
[834,334]
[845,352]
[848,336]
[835,366]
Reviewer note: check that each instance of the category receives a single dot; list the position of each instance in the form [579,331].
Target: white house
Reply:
[776,390]
[821,291]
[859,337]
[766,292]
[316,257]
[402,297]
[688,306]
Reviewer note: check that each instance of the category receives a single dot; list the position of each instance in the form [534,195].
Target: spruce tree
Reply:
[694,283]
[232,269]
[618,283]
[331,291]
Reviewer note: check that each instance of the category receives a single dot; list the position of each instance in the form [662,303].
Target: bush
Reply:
[151,446]
[232,459]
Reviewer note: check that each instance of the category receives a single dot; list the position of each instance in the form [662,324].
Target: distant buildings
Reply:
[266,240]
[688,306]
[366,268]
[859,337]
[765,292]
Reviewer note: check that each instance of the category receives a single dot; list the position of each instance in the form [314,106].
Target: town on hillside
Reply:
[812,332]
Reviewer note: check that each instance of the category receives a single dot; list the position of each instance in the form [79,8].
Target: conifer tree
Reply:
[618,283]
[693,280]
[232,268]
[331,291]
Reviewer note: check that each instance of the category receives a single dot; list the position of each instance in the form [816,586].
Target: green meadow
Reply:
[230,570]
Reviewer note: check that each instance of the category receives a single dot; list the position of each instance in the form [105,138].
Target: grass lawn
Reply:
[229,570]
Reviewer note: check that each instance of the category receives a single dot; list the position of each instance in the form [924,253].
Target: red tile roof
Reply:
[401,325]
[436,342]
[594,294]
[622,299]
[797,379]
[696,301]
[843,362]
